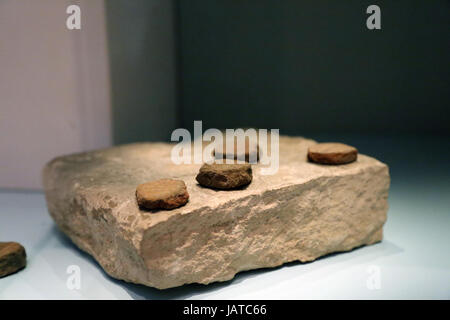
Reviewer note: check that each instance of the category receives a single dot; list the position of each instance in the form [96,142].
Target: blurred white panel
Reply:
[54,86]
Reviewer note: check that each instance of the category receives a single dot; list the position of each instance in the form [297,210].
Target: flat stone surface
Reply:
[303,212]
[332,153]
[225,176]
[162,194]
[12,258]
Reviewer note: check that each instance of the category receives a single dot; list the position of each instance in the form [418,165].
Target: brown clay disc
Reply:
[332,153]
[225,176]
[162,194]
[12,258]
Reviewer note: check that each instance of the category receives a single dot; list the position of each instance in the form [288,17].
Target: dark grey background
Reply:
[305,67]
[313,66]
[142,54]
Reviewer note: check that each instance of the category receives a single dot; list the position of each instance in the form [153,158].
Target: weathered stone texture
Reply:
[305,211]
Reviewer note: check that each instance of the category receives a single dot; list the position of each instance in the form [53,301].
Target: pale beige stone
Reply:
[303,212]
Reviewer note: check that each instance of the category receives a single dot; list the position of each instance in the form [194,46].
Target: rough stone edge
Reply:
[80,205]
[372,237]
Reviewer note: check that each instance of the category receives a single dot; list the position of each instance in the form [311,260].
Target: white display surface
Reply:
[413,261]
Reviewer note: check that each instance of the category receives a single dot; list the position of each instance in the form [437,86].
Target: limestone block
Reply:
[304,211]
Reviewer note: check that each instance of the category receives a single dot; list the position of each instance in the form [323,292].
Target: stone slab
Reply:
[303,212]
